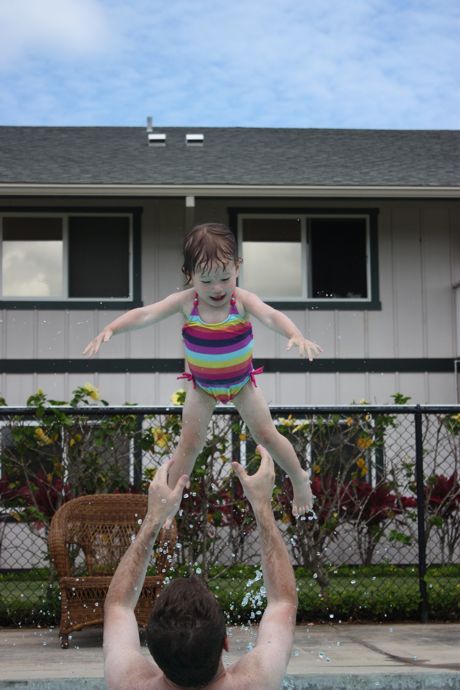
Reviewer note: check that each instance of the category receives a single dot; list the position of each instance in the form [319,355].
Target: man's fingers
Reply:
[265,455]
[240,471]
[181,484]
[162,472]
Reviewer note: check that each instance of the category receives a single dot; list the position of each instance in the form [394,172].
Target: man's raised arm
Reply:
[276,629]
[123,661]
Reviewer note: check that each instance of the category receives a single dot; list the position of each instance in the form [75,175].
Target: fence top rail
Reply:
[282,410]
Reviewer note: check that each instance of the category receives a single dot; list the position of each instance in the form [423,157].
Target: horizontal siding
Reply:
[419,260]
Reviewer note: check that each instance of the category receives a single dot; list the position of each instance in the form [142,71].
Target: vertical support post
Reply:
[137,453]
[418,421]
[379,449]
[189,212]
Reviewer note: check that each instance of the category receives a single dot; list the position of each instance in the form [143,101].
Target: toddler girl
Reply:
[218,340]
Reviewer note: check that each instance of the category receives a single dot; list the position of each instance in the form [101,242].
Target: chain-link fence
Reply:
[384,542]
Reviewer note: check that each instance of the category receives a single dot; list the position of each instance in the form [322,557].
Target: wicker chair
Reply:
[87,538]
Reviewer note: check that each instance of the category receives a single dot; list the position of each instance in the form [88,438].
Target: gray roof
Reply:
[230,156]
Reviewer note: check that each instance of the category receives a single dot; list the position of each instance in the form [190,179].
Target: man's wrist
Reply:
[152,524]
[263,511]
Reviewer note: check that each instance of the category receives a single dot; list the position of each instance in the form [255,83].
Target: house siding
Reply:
[419,262]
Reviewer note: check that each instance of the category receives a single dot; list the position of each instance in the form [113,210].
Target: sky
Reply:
[378,64]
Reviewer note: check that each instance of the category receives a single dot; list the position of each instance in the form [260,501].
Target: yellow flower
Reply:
[178,397]
[287,422]
[42,438]
[74,439]
[301,426]
[362,466]
[160,437]
[364,442]
[243,437]
[316,469]
[455,417]
[349,421]
[91,391]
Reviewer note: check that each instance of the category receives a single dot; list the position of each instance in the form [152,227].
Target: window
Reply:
[322,258]
[74,258]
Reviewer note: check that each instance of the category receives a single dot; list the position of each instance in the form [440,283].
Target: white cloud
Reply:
[52,29]
[332,63]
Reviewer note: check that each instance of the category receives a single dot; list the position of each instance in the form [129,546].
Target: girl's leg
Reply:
[254,410]
[196,415]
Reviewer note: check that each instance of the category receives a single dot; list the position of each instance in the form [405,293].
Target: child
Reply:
[218,349]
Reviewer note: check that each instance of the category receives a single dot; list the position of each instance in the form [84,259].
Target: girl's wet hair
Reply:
[207,244]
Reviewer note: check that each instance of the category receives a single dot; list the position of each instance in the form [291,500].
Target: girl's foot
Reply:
[303,498]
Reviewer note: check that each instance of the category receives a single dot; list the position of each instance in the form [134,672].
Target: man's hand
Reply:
[258,487]
[163,501]
[307,348]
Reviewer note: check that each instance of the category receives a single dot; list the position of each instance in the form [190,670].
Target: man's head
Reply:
[186,632]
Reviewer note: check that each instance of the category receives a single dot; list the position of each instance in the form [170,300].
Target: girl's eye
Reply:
[224,280]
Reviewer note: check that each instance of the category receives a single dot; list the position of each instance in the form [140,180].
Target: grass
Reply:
[374,593]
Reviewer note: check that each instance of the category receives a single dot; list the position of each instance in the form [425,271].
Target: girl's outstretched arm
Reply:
[279,322]
[139,318]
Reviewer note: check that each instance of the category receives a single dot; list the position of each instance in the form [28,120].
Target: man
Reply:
[186,635]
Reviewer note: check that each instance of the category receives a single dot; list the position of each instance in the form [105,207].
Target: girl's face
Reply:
[215,284]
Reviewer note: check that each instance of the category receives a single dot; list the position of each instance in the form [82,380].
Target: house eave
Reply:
[151,190]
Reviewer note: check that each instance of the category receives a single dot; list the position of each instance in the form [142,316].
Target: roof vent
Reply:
[156,139]
[194,139]
[149,123]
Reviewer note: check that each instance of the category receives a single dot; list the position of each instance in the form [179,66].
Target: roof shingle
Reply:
[230,156]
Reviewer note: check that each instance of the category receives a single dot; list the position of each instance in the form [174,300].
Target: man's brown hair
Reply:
[207,244]
[186,632]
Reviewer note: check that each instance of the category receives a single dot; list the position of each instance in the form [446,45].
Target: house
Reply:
[354,233]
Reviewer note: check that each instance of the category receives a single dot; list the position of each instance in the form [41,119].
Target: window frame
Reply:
[73,303]
[372,302]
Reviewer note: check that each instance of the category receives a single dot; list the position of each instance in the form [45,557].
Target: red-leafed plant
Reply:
[442,504]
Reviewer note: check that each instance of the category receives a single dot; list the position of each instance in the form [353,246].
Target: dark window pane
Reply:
[338,258]
[98,257]
[24,229]
[271,230]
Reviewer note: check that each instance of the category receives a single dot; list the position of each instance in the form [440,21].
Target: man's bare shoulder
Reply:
[247,673]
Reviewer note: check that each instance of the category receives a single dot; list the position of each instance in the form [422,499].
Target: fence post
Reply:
[137,453]
[418,420]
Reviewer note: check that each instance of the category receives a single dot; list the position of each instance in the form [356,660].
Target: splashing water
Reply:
[255,597]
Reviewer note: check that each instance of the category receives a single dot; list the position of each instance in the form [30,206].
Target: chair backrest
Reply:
[101,527]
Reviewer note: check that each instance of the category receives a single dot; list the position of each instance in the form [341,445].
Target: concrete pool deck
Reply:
[335,656]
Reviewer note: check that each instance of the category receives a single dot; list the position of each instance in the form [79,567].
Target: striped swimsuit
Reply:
[219,355]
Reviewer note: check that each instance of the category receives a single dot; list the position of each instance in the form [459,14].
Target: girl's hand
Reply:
[307,348]
[93,347]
